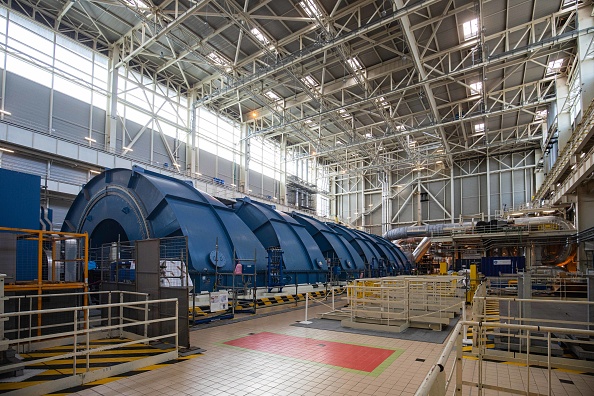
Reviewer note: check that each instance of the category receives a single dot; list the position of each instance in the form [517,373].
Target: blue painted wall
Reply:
[19,208]
[19,200]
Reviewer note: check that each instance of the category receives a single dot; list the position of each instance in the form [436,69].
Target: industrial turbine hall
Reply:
[303,197]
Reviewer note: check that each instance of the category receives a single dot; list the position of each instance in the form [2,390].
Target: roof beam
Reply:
[309,52]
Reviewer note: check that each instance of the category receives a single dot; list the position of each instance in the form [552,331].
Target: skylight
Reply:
[256,32]
[272,95]
[470,29]
[476,88]
[310,81]
[369,135]
[310,8]
[354,64]
[478,128]
[554,66]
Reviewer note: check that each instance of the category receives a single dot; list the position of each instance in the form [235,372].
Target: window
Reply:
[554,66]
[310,8]
[476,88]
[470,29]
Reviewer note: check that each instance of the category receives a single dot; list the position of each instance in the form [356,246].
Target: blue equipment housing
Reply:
[339,253]
[128,205]
[304,262]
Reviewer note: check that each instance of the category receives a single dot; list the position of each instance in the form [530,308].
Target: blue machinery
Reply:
[128,205]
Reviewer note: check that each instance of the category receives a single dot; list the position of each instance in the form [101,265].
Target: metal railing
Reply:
[124,320]
[536,348]
[409,301]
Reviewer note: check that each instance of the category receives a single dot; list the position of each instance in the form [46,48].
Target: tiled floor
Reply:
[263,365]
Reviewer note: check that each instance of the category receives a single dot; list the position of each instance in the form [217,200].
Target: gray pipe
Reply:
[433,229]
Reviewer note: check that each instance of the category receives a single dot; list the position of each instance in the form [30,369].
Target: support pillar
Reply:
[244,173]
[586,56]
[585,220]
[111,121]
[563,118]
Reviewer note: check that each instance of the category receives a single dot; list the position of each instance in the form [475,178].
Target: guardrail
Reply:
[532,346]
[405,301]
[121,321]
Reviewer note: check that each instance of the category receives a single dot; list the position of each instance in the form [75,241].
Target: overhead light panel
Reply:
[310,8]
[310,82]
[541,114]
[479,128]
[476,88]
[554,66]
[260,36]
[354,64]
[272,95]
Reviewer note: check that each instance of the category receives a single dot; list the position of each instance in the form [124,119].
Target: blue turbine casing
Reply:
[332,244]
[366,249]
[139,204]
[301,254]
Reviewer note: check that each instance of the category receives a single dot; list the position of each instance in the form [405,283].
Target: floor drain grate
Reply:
[419,360]
[564,381]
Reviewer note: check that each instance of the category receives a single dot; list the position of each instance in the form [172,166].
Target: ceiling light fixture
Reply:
[127,148]
[94,171]
[5,112]
[90,139]
[7,150]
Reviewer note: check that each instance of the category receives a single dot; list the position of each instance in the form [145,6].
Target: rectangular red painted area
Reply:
[354,357]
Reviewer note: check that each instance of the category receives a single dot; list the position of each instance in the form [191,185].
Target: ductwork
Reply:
[551,254]
[430,230]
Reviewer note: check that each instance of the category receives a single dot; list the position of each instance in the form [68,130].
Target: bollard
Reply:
[306,305]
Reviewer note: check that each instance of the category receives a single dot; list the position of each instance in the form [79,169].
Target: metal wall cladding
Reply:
[332,244]
[277,229]
[138,204]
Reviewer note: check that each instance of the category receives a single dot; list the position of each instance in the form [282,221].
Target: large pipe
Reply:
[421,249]
[429,230]
[563,256]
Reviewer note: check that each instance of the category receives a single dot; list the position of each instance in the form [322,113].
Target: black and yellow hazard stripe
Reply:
[247,305]
[61,368]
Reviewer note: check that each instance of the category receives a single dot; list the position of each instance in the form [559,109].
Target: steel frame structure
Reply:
[367,87]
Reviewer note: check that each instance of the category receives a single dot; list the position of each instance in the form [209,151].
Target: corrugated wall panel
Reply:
[28,101]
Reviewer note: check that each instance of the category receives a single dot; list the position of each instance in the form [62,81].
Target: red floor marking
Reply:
[350,356]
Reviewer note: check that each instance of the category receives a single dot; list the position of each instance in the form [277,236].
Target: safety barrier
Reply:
[525,338]
[122,321]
